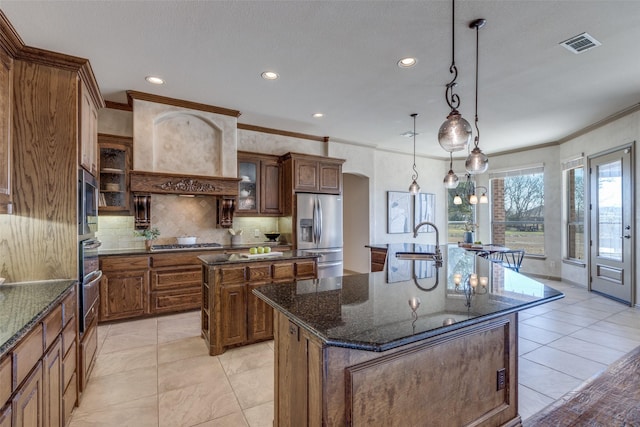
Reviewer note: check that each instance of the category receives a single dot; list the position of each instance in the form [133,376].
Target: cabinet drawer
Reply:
[68,335]
[108,264]
[27,354]
[69,307]
[69,399]
[283,271]
[69,365]
[5,380]
[305,269]
[178,259]
[161,280]
[52,326]
[232,275]
[259,273]
[176,300]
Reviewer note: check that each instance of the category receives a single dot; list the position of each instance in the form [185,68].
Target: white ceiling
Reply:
[339,58]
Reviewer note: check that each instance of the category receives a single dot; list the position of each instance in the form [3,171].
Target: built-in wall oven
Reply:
[90,276]
[88,193]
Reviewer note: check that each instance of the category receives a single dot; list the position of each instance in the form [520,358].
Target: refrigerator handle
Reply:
[314,232]
[319,221]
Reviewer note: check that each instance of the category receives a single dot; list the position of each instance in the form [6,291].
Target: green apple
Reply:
[253,251]
[260,250]
[267,249]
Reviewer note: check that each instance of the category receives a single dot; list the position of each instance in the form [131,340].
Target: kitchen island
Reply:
[421,343]
[231,314]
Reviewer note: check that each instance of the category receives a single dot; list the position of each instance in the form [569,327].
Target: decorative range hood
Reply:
[169,183]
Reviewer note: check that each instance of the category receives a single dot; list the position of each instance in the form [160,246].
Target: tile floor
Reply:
[156,372]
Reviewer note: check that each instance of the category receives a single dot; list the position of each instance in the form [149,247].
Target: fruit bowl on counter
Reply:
[272,236]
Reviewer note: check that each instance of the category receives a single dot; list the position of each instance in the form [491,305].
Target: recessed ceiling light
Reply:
[317,115]
[407,62]
[269,75]
[154,80]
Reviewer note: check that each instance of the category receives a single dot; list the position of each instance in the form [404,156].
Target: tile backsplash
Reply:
[177,216]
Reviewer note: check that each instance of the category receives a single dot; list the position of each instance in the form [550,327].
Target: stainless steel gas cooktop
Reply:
[177,247]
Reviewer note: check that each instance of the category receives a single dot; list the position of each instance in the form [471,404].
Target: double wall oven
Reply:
[89,267]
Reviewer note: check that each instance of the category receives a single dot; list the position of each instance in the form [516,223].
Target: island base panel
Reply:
[450,379]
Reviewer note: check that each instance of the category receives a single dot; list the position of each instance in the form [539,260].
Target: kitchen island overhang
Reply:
[356,339]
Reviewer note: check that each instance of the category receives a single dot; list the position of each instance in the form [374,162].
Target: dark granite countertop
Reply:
[22,306]
[221,249]
[226,258]
[372,311]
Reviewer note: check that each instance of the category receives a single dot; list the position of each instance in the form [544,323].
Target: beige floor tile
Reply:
[552,325]
[525,346]
[181,349]
[572,319]
[120,388]
[630,316]
[241,359]
[260,416]
[579,310]
[591,351]
[606,339]
[102,331]
[141,326]
[253,387]
[567,363]
[530,402]
[544,380]
[126,341]
[125,360]
[179,326]
[232,420]
[541,336]
[134,413]
[624,331]
[185,372]
[196,404]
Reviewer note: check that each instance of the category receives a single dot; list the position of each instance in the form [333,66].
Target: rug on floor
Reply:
[610,399]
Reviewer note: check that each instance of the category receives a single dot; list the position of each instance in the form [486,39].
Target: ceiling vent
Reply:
[580,43]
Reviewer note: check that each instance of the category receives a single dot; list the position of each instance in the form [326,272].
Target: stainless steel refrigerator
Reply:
[319,230]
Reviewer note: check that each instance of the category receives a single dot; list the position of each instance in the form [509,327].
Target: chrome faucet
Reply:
[438,255]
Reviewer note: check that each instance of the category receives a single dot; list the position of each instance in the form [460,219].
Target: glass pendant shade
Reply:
[414,188]
[451,180]
[484,199]
[473,199]
[477,162]
[457,200]
[455,133]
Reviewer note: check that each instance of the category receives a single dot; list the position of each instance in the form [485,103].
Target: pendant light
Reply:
[451,180]
[477,162]
[414,188]
[455,132]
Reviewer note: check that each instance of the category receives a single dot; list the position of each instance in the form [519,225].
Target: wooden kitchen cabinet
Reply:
[259,191]
[27,404]
[124,288]
[6,76]
[231,314]
[115,164]
[175,282]
[88,149]
[52,383]
[313,174]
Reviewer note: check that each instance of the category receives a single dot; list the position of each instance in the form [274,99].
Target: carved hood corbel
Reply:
[167,183]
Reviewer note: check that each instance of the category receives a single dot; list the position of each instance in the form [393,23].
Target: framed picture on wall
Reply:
[398,212]
[425,210]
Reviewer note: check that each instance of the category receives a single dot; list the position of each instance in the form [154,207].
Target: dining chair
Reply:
[512,258]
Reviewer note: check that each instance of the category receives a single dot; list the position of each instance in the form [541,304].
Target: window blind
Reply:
[523,170]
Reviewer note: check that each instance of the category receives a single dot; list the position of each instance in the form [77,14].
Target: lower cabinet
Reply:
[231,314]
[33,375]
[88,350]
[124,287]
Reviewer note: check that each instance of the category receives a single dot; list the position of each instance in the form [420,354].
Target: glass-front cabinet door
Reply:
[115,163]
[248,194]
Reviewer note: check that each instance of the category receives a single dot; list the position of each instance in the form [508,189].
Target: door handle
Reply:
[627,236]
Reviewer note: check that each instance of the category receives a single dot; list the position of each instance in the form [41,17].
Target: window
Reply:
[517,209]
[574,184]
[459,215]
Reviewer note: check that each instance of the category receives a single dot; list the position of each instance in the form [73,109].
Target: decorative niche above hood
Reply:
[182,147]
[167,183]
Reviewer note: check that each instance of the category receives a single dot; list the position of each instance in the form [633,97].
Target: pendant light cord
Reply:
[477,139]
[453,100]
[415,171]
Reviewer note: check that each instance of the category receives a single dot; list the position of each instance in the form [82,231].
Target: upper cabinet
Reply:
[88,144]
[6,76]
[259,189]
[313,174]
[115,164]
